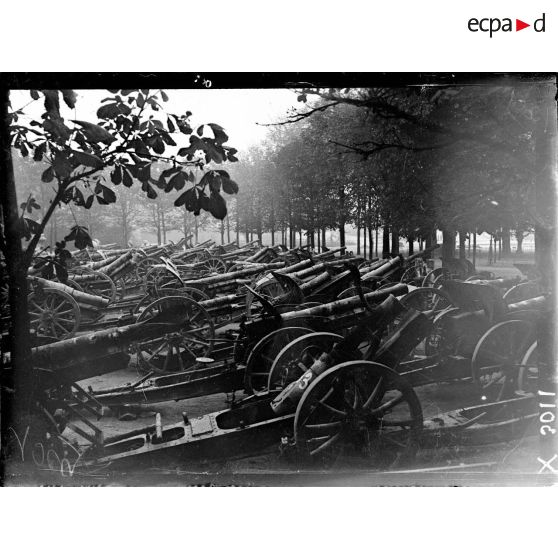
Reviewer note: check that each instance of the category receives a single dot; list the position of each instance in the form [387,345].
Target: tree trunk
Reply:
[53,229]
[490,252]
[158,225]
[324,247]
[506,243]
[448,244]
[19,342]
[376,243]
[370,242]
[222,230]
[364,240]
[228,229]
[358,240]
[500,245]
[462,241]
[395,241]
[411,240]
[163,226]
[237,226]
[385,241]
[185,228]
[341,193]
[475,248]
[358,226]
[196,229]
[430,238]
[124,228]
[519,236]
[545,185]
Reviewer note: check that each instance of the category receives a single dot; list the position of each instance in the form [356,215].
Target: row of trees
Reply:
[463,160]
[130,220]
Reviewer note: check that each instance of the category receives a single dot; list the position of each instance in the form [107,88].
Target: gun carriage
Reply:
[340,408]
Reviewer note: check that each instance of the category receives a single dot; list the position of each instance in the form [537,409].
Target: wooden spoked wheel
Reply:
[194,294]
[74,284]
[414,274]
[438,342]
[176,351]
[213,265]
[263,354]
[268,288]
[127,283]
[95,282]
[161,277]
[54,313]
[298,356]
[523,291]
[431,277]
[498,356]
[528,377]
[200,256]
[143,266]
[425,299]
[358,409]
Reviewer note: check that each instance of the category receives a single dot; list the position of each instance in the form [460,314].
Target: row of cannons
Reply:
[327,351]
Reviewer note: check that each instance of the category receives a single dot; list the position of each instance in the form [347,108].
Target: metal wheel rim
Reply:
[376,390]
[295,356]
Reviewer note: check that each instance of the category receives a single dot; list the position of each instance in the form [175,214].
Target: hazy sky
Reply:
[237,110]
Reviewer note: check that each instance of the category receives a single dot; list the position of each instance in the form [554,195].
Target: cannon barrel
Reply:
[219,301]
[84,300]
[100,263]
[299,266]
[71,354]
[261,254]
[536,303]
[308,271]
[345,304]
[374,265]
[322,266]
[502,283]
[307,287]
[214,280]
[426,252]
[113,252]
[328,253]
[117,264]
[231,256]
[388,267]
[377,319]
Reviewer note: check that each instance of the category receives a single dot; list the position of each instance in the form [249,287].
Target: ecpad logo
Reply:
[493,25]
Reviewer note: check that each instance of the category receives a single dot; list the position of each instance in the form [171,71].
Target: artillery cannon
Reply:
[303,283]
[227,377]
[59,366]
[258,345]
[359,409]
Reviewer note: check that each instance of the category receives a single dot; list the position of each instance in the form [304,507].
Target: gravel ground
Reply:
[503,463]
